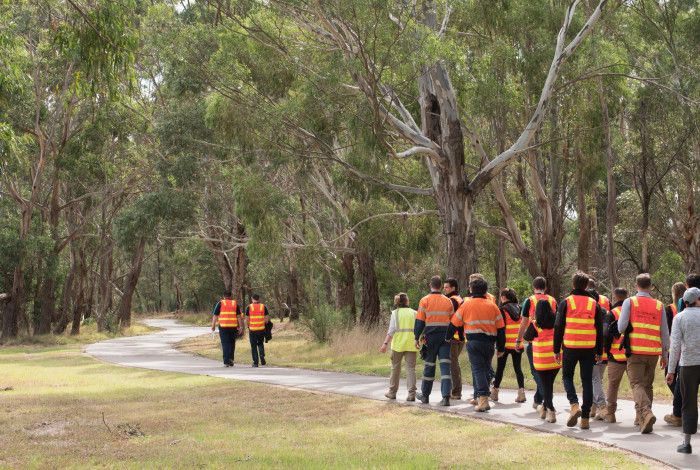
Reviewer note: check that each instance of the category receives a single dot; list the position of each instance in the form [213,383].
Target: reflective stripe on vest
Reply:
[616,349]
[256,317]
[604,302]
[645,317]
[580,330]
[512,330]
[403,340]
[460,301]
[543,350]
[227,314]
[533,304]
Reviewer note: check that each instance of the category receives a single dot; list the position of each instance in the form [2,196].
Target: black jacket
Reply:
[560,324]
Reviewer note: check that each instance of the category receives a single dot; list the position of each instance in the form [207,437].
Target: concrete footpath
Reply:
[156,351]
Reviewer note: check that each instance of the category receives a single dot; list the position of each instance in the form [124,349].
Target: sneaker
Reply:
[226,364]
[422,398]
[445,402]
[673,420]
[255,365]
[685,449]
[390,396]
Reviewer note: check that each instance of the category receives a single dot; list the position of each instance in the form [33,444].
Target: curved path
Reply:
[156,351]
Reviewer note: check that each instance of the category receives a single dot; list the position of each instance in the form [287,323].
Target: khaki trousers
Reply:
[396,358]
[616,370]
[456,348]
[641,370]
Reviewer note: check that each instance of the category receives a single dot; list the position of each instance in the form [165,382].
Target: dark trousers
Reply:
[480,354]
[501,367]
[539,395]
[547,378]
[675,387]
[585,358]
[690,379]
[228,343]
[257,345]
[438,352]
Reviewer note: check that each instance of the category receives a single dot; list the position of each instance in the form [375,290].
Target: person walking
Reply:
[451,291]
[257,316]
[539,287]
[617,357]
[484,329]
[648,340]
[510,310]
[227,314]
[540,334]
[432,320]
[685,352]
[400,334]
[599,402]
[579,328]
[675,418]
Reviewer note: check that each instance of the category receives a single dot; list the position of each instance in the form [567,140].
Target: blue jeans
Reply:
[539,393]
[228,343]
[438,352]
[585,358]
[480,354]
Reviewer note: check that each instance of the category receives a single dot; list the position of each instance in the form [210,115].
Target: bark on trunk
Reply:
[346,285]
[294,294]
[583,224]
[130,282]
[369,315]
[501,266]
[611,207]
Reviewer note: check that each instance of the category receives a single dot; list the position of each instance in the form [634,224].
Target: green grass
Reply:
[53,418]
[356,351]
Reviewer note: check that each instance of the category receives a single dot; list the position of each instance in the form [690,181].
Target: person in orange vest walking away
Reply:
[617,357]
[227,314]
[675,418]
[451,291]
[579,328]
[257,316]
[510,310]
[540,334]
[648,340]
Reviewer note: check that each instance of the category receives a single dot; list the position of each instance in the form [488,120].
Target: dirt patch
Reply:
[48,429]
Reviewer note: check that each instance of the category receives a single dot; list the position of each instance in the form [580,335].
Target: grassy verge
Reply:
[88,334]
[356,351]
[66,410]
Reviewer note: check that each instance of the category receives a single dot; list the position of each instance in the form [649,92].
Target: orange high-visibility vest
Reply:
[460,301]
[256,317]
[604,302]
[674,309]
[491,297]
[512,330]
[435,310]
[616,349]
[533,304]
[543,350]
[580,332]
[227,314]
[645,317]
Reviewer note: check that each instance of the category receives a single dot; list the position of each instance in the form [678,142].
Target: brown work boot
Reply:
[551,416]
[521,396]
[594,409]
[585,423]
[455,397]
[535,405]
[473,402]
[542,411]
[673,420]
[574,415]
[390,395]
[494,394]
[647,423]
[483,404]
[610,414]
[411,397]
[600,416]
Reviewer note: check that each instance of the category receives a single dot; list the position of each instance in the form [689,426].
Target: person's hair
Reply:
[539,283]
[544,315]
[580,280]
[256,296]
[643,281]
[478,287]
[591,283]
[435,282]
[401,300]
[693,280]
[677,292]
[227,294]
[509,294]
[620,293]
[476,276]
[453,283]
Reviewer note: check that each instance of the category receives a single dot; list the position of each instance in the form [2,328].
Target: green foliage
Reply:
[323,321]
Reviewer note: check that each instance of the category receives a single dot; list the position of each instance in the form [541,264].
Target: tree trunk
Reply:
[294,293]
[584,236]
[80,300]
[369,314]
[132,278]
[501,266]
[611,207]
[346,285]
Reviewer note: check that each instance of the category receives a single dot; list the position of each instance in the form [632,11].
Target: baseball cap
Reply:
[691,295]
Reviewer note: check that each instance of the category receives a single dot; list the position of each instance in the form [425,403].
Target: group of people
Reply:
[227,313]
[586,330]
